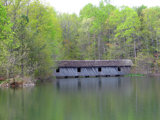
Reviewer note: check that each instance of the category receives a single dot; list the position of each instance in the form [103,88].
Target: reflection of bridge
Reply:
[103,83]
[86,68]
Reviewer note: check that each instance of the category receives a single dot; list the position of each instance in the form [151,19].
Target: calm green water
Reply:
[124,98]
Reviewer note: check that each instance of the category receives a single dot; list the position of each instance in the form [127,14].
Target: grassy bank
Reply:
[135,75]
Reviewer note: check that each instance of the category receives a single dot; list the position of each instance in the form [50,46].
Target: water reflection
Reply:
[122,98]
[94,84]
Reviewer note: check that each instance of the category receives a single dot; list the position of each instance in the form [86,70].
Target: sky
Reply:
[74,6]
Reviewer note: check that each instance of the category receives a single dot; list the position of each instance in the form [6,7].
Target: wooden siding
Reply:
[92,71]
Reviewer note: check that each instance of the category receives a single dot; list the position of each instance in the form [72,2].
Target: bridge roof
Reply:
[95,63]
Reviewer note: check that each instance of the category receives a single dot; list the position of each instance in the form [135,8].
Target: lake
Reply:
[112,98]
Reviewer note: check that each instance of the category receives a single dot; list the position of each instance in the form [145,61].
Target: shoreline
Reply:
[18,82]
[26,82]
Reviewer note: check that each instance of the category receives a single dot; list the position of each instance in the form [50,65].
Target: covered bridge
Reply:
[86,68]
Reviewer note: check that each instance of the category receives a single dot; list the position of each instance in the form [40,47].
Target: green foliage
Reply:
[126,30]
[69,26]
[33,36]
[47,38]
[134,75]
[31,40]
[6,41]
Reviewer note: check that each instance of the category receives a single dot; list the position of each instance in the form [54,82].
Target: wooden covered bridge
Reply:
[87,68]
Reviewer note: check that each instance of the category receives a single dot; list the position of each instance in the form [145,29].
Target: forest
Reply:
[33,35]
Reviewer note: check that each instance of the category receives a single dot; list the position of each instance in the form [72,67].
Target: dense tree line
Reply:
[30,38]
[33,36]
[108,32]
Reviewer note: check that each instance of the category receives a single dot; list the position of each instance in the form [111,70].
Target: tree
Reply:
[69,26]
[127,27]
[98,15]
[36,39]
[45,38]
[6,42]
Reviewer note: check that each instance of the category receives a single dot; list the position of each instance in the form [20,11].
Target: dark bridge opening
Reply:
[57,70]
[99,69]
[78,69]
[119,69]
